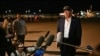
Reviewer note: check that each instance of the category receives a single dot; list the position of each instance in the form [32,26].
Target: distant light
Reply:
[9,10]
[97,13]
[82,13]
[34,12]
[39,10]
[28,10]
[5,11]
[61,14]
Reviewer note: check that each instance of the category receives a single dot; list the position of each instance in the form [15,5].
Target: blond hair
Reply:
[5,22]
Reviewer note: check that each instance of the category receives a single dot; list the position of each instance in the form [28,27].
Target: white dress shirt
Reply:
[67,27]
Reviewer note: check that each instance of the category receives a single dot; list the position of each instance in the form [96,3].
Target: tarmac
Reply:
[90,35]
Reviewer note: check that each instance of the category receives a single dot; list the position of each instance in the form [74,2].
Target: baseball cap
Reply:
[67,8]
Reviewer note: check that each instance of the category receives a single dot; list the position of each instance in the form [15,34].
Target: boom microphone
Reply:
[47,34]
[49,40]
[59,40]
[40,41]
[38,44]
[82,48]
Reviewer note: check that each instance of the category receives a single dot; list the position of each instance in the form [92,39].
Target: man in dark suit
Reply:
[70,27]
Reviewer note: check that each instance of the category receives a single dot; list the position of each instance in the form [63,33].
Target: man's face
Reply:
[67,13]
[20,49]
[18,16]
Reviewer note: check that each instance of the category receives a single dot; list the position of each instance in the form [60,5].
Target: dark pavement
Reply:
[90,34]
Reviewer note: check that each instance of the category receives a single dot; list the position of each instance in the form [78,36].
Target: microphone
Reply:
[47,34]
[40,51]
[59,40]
[40,41]
[49,40]
[82,48]
[38,44]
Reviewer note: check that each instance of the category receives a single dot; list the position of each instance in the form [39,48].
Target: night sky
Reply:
[47,6]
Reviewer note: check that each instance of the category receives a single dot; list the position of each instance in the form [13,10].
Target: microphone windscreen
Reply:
[40,41]
[49,40]
[58,37]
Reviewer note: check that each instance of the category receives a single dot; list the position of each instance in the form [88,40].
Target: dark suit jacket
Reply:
[3,41]
[75,31]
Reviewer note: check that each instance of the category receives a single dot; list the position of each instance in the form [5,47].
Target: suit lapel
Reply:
[71,25]
[63,23]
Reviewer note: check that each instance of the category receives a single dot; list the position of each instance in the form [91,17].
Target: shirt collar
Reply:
[68,19]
